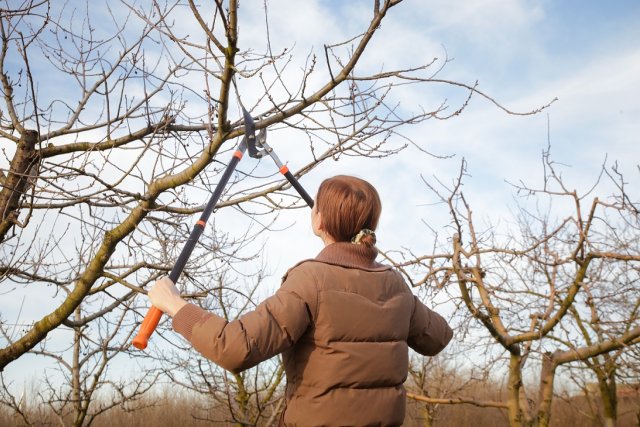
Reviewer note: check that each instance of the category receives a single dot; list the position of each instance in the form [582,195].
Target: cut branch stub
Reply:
[16,183]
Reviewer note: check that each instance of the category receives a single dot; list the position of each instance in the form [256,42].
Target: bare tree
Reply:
[558,291]
[253,397]
[436,385]
[88,390]
[116,162]
[604,312]
[116,118]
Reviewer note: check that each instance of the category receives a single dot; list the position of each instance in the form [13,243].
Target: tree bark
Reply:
[513,391]
[16,182]
[607,386]
[545,399]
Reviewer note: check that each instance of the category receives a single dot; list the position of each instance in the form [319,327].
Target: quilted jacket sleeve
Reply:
[429,333]
[273,327]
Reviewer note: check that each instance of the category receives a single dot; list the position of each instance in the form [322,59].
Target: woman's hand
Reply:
[166,297]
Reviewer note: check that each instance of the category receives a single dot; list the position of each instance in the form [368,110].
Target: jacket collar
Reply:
[350,255]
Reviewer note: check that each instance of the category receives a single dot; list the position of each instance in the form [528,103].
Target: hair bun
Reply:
[364,237]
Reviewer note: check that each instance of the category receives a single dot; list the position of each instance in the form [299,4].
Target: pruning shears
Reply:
[249,142]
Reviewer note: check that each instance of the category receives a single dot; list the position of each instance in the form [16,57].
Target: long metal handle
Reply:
[284,170]
[154,315]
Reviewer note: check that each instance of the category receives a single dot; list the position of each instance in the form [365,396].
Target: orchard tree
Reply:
[560,291]
[117,119]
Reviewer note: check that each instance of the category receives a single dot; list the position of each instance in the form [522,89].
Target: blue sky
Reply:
[522,53]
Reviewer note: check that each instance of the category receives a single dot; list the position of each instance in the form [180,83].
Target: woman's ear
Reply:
[316,222]
[319,219]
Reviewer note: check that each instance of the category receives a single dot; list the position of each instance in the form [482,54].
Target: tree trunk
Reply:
[513,390]
[426,416]
[242,399]
[609,399]
[545,399]
[79,410]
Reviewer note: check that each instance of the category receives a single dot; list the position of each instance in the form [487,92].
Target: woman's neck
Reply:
[327,239]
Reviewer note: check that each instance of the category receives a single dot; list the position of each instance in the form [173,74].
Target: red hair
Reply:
[348,205]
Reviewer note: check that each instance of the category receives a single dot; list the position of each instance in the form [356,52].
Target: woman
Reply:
[342,321]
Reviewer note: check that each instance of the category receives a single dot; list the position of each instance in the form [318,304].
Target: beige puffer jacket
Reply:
[343,323]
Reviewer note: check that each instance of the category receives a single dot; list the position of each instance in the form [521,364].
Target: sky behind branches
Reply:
[523,54]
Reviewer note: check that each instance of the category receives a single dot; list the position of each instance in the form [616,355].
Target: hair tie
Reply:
[364,232]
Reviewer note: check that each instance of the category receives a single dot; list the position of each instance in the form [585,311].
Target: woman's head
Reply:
[347,205]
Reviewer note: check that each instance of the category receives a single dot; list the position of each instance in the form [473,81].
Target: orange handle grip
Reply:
[149,325]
